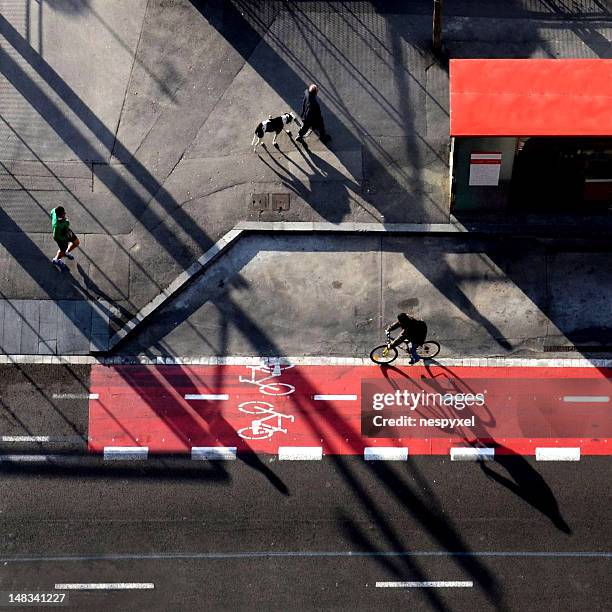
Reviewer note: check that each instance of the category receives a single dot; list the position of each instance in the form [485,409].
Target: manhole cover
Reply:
[280,201]
[259,201]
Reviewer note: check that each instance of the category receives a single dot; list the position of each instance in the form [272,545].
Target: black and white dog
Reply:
[272,124]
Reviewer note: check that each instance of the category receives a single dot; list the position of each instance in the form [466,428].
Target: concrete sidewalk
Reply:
[143,136]
[331,295]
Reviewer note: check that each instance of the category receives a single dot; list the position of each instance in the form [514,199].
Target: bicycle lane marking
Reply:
[146,406]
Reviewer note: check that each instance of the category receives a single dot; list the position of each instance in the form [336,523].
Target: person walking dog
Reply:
[65,238]
[311,116]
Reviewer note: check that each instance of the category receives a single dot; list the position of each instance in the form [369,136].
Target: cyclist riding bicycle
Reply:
[414,332]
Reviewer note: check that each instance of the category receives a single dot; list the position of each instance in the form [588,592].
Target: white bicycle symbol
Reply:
[269,388]
[267,426]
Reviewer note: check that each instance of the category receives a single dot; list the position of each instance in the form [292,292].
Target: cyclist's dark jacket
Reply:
[414,331]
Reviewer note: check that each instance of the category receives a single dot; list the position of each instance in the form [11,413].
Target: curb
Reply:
[468,362]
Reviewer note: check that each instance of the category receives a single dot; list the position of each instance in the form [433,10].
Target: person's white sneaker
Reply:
[59,263]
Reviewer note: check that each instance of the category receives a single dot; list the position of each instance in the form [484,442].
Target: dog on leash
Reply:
[272,124]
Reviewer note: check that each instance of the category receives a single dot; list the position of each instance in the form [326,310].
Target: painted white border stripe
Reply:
[557,453]
[126,452]
[346,398]
[385,453]
[464,453]
[586,399]
[300,453]
[472,362]
[227,453]
[91,396]
[437,584]
[90,586]
[206,396]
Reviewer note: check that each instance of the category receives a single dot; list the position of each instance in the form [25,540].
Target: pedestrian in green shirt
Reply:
[62,234]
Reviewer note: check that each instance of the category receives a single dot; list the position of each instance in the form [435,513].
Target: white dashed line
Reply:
[427,585]
[26,458]
[222,453]
[462,453]
[207,396]
[114,586]
[300,453]
[126,452]
[91,396]
[557,454]
[586,399]
[384,453]
[25,438]
[337,398]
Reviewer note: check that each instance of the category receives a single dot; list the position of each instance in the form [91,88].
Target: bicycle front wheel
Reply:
[428,349]
[383,354]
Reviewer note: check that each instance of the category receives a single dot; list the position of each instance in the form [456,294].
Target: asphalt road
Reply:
[271,535]
[257,533]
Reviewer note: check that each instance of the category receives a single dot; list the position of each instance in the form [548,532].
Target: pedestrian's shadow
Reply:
[331,197]
[527,483]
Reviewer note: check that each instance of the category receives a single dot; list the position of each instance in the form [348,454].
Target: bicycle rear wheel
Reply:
[428,349]
[383,354]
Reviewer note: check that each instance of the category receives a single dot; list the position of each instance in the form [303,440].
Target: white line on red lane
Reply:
[206,396]
[466,453]
[219,453]
[557,454]
[586,399]
[437,584]
[300,453]
[336,398]
[115,586]
[385,453]
[126,452]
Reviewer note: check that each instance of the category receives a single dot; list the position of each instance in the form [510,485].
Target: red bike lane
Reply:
[345,409]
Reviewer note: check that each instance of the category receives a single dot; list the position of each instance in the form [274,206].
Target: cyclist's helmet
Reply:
[403,319]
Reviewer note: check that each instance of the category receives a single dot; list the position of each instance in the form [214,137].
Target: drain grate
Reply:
[577,349]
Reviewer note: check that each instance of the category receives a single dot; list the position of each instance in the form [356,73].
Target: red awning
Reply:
[531,97]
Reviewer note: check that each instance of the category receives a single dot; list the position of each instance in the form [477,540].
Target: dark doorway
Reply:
[562,175]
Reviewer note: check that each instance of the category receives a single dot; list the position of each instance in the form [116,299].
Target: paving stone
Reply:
[11,341]
[30,327]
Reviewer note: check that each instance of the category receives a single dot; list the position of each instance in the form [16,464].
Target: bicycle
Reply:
[384,354]
[269,388]
[260,429]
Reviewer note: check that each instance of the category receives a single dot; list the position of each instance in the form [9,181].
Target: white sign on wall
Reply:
[484,168]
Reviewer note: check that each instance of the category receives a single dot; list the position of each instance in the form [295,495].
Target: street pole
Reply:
[437,25]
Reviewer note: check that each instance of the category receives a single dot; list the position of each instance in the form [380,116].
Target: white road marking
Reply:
[90,586]
[427,585]
[477,362]
[25,438]
[463,453]
[385,453]
[26,458]
[126,452]
[300,453]
[92,396]
[557,454]
[207,396]
[227,453]
[346,398]
[586,399]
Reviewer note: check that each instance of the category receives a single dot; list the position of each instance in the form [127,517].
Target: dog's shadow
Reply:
[324,188]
